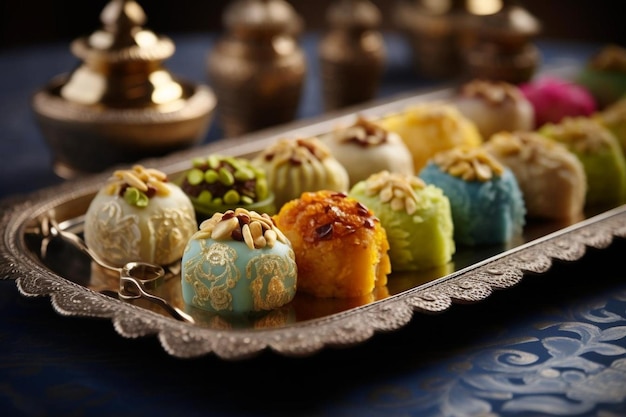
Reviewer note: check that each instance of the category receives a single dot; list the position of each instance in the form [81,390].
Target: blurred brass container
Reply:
[352,53]
[120,104]
[257,68]
[502,47]
[434,30]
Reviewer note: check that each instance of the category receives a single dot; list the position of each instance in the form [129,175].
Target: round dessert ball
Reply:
[139,216]
[495,106]
[486,201]
[599,152]
[431,127]
[554,98]
[294,166]
[365,148]
[417,218]
[552,178]
[218,183]
[340,245]
[604,75]
[238,262]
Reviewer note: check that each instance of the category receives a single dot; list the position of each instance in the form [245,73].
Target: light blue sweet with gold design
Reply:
[238,262]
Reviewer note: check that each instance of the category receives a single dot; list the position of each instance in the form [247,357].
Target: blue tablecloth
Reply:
[553,345]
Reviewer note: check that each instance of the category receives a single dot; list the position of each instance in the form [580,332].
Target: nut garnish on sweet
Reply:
[219,179]
[363,133]
[529,146]
[297,151]
[396,189]
[138,185]
[583,134]
[256,230]
[494,92]
[470,164]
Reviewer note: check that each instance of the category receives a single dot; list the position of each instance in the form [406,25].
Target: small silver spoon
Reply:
[135,277]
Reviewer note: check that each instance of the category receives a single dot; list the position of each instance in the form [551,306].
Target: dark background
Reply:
[24,22]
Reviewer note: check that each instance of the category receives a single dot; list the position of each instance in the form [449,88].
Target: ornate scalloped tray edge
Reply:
[348,327]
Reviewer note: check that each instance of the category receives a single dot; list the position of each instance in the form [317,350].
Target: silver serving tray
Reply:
[77,287]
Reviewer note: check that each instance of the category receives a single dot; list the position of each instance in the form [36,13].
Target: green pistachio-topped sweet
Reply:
[217,182]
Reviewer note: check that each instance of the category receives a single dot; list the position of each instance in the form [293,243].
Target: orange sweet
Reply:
[341,248]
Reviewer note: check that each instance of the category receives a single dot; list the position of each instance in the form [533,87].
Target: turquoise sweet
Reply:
[238,262]
[486,201]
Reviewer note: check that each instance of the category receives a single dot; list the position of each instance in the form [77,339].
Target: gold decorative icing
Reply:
[256,230]
[219,272]
[396,189]
[271,269]
[582,134]
[493,92]
[470,164]
[119,234]
[214,275]
[363,132]
[143,179]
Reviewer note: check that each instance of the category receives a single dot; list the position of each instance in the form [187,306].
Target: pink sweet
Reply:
[554,98]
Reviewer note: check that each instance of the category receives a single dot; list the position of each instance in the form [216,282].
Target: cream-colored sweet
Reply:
[495,106]
[365,148]
[552,178]
[432,127]
[600,154]
[138,215]
[294,166]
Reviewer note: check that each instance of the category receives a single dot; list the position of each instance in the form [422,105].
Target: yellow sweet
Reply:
[428,128]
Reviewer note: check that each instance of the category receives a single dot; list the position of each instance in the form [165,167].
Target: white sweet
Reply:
[495,106]
[120,230]
[365,149]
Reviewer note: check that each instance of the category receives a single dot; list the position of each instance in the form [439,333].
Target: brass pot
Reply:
[120,104]
[257,68]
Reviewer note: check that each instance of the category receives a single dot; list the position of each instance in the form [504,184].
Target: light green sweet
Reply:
[227,277]
[420,240]
[601,155]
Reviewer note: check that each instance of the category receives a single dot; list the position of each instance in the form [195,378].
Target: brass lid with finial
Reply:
[120,104]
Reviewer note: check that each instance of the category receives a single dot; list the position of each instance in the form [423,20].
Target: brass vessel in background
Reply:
[501,46]
[352,53]
[434,30]
[120,104]
[257,69]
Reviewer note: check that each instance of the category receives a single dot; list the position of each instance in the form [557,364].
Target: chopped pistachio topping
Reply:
[363,133]
[582,134]
[219,179]
[256,230]
[494,92]
[297,151]
[470,164]
[138,185]
[396,189]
